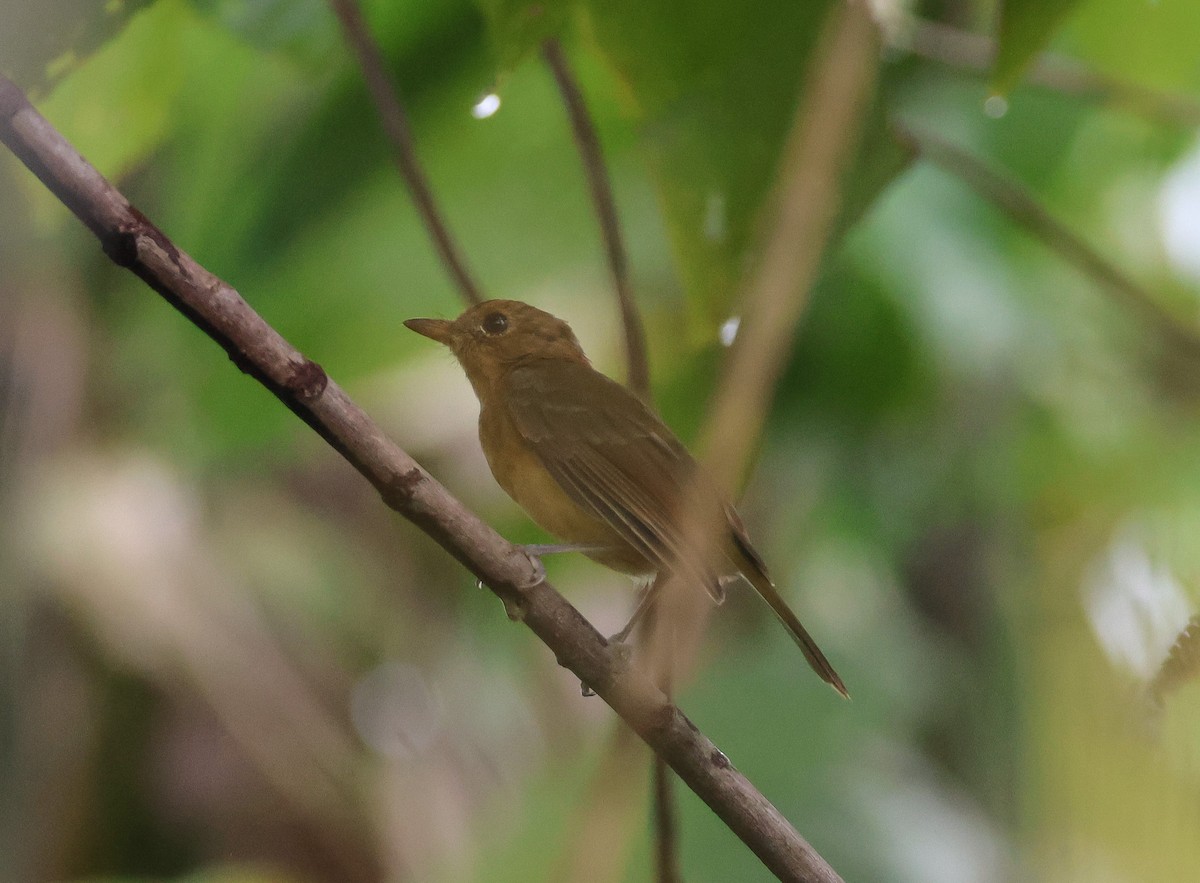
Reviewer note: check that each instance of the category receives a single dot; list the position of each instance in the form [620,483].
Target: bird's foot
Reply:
[539,569]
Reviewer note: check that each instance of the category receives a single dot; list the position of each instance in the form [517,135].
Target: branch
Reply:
[1012,198]
[399,133]
[607,817]
[606,212]
[975,53]
[666,828]
[132,241]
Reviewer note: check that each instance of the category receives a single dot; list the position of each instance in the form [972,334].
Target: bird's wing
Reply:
[613,457]
[618,461]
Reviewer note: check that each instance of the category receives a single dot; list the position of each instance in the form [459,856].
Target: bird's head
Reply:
[496,335]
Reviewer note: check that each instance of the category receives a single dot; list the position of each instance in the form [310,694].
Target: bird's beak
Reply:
[434,329]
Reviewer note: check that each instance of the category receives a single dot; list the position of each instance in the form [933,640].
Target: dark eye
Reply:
[494,324]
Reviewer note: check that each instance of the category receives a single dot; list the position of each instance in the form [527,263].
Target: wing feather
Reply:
[614,458]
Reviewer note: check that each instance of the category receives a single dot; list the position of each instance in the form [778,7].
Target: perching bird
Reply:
[593,465]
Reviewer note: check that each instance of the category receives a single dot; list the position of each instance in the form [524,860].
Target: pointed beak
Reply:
[434,329]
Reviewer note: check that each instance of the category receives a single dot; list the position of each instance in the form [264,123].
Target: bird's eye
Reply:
[495,324]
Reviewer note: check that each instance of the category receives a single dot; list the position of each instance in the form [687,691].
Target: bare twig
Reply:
[1012,198]
[666,830]
[609,815]
[975,53]
[132,241]
[399,133]
[606,212]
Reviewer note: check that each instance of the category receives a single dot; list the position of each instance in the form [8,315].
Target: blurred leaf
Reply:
[518,27]
[41,42]
[305,29]
[117,106]
[1183,661]
[1151,44]
[714,88]
[1025,27]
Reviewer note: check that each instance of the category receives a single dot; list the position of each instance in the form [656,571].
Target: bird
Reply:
[593,465]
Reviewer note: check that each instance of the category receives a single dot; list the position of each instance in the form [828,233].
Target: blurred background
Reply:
[223,659]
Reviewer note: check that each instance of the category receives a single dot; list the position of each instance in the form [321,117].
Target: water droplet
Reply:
[586,691]
[729,330]
[486,106]
[995,106]
[479,584]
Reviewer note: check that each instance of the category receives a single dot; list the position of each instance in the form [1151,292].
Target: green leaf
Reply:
[302,28]
[42,42]
[714,88]
[1151,44]
[117,107]
[1025,27]
[519,27]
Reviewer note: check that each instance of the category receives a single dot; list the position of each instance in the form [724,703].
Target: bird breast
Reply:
[523,476]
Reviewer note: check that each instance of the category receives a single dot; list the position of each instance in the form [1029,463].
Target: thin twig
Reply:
[1015,200]
[132,241]
[666,829]
[975,53]
[608,816]
[606,212]
[399,134]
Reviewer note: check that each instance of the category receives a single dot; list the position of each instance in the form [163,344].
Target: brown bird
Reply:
[592,464]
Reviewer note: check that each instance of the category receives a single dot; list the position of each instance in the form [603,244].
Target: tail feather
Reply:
[756,575]
[799,634]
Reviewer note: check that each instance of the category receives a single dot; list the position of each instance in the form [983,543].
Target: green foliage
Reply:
[302,28]
[42,42]
[713,102]
[519,27]
[1025,27]
[974,453]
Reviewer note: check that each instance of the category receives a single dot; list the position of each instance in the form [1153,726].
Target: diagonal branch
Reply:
[132,241]
[399,133]
[606,212]
[1012,198]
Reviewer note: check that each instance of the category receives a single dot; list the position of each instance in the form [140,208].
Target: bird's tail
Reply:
[756,575]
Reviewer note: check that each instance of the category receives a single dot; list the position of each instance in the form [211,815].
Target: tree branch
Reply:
[666,828]
[132,241]
[606,212]
[1015,200]
[399,134]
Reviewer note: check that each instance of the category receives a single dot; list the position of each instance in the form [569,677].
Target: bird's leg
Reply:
[557,548]
[645,601]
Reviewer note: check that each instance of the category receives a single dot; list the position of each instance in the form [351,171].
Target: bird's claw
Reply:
[539,570]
